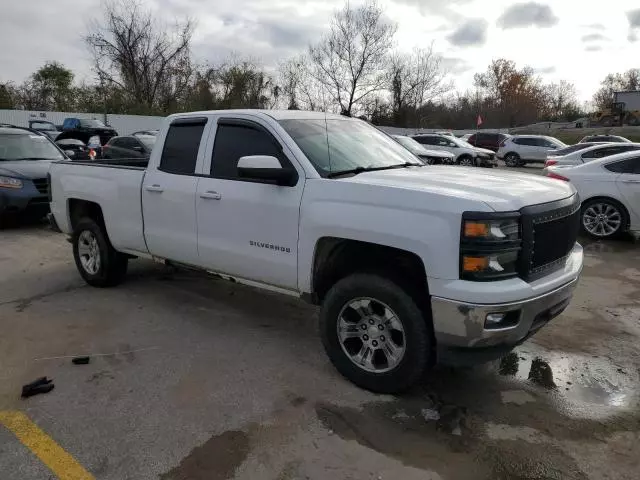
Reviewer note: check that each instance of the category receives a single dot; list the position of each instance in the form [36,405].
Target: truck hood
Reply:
[25,168]
[500,190]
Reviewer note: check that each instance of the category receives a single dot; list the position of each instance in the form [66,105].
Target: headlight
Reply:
[489,246]
[8,182]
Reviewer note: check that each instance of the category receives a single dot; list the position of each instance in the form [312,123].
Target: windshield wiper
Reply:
[357,170]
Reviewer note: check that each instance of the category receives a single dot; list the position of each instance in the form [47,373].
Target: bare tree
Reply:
[349,61]
[134,52]
[414,79]
[561,99]
[300,89]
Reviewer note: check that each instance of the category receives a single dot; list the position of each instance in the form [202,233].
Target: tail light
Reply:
[92,154]
[548,163]
[557,177]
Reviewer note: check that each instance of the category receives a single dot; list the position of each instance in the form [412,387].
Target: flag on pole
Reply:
[479,121]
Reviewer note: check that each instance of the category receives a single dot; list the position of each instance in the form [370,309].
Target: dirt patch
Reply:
[216,459]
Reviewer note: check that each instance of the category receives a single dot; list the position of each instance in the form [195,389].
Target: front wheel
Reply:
[97,261]
[375,334]
[466,161]
[603,218]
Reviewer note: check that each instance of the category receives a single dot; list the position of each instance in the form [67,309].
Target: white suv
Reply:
[465,154]
[522,149]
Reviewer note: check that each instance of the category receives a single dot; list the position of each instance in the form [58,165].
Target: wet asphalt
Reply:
[199,378]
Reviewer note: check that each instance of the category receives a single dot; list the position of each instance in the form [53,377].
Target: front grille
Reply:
[549,234]
[42,185]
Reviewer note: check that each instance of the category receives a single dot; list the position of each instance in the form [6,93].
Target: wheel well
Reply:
[337,258]
[512,153]
[612,200]
[83,208]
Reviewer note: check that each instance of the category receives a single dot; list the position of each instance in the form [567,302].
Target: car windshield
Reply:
[337,145]
[27,147]
[92,123]
[410,144]
[148,140]
[43,126]
[460,143]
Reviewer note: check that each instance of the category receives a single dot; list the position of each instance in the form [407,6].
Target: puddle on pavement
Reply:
[609,246]
[579,378]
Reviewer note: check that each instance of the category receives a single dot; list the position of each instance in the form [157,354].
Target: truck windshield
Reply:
[27,147]
[336,145]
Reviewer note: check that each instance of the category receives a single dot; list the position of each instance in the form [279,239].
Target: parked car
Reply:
[519,150]
[76,149]
[133,146]
[430,157]
[572,148]
[591,153]
[490,141]
[465,153]
[610,191]
[46,127]
[91,132]
[604,138]
[409,263]
[146,132]
[25,158]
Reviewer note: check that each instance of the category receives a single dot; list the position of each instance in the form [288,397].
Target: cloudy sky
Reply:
[580,41]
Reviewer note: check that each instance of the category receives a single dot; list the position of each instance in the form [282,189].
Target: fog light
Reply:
[494,318]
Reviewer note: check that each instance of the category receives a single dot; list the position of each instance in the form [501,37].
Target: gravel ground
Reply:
[207,379]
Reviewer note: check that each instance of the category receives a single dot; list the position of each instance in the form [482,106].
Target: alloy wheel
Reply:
[371,335]
[602,219]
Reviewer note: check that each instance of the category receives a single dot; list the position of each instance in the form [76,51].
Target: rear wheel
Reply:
[375,334]
[97,261]
[603,218]
[512,159]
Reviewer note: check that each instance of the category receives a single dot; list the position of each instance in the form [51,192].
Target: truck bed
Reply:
[114,185]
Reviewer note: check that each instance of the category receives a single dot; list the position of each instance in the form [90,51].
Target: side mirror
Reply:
[265,168]
[70,153]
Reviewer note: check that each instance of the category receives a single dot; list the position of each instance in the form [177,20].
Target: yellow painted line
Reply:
[63,465]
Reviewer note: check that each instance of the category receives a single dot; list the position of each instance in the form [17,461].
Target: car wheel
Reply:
[512,159]
[97,261]
[375,334]
[604,218]
[466,161]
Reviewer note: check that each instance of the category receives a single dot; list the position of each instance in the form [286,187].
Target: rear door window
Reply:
[180,150]
[630,165]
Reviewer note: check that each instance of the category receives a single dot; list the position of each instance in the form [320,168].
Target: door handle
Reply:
[154,188]
[211,195]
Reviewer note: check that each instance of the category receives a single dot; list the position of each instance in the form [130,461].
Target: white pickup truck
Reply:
[411,264]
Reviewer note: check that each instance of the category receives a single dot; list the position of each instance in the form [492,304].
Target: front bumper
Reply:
[487,161]
[26,199]
[462,337]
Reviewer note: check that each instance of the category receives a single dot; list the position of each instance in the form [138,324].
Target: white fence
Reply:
[124,124]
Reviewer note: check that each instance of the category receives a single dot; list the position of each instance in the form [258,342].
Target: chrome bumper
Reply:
[462,325]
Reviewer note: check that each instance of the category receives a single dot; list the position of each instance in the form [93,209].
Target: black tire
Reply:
[512,159]
[113,265]
[417,338]
[624,217]
[466,158]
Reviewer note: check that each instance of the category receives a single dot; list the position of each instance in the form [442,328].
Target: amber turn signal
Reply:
[476,229]
[474,264]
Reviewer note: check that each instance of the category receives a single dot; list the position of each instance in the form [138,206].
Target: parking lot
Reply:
[193,377]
